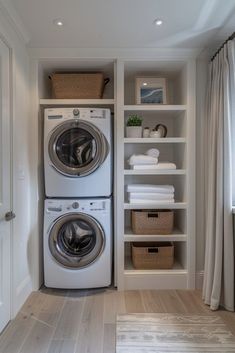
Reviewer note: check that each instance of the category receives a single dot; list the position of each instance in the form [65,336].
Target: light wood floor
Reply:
[57,321]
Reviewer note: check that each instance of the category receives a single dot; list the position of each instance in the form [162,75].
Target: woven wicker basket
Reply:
[152,221]
[78,85]
[153,255]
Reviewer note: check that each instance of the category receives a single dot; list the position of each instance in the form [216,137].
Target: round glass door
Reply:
[76,240]
[77,148]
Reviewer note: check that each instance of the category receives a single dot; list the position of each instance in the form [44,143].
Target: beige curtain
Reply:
[218,287]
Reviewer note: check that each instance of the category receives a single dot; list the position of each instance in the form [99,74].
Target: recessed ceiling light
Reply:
[145,84]
[58,22]
[158,22]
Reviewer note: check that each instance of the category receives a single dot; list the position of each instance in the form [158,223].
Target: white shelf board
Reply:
[167,206]
[177,235]
[155,107]
[154,172]
[155,140]
[57,102]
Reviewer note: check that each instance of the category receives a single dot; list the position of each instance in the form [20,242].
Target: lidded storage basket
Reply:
[152,221]
[153,255]
[78,85]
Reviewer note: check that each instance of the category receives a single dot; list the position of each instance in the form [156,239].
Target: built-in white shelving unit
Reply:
[178,147]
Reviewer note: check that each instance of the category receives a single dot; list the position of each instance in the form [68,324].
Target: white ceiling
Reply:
[126,23]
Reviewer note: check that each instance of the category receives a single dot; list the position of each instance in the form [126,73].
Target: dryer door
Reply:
[77,148]
[76,240]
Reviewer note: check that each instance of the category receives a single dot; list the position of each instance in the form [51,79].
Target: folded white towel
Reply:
[160,165]
[142,159]
[161,189]
[153,152]
[151,196]
[154,202]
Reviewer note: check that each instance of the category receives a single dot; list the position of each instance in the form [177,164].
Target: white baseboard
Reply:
[199,279]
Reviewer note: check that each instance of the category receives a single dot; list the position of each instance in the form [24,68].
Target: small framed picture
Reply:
[151,90]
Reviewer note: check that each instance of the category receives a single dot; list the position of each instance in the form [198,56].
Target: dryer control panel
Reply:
[64,206]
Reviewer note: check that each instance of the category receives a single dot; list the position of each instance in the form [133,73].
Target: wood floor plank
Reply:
[34,304]
[45,305]
[51,309]
[38,339]
[109,338]
[15,334]
[114,303]
[150,304]
[90,337]
[134,302]
[192,302]
[169,302]
[62,346]
[69,322]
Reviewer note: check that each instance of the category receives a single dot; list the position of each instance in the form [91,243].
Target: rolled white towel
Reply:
[160,165]
[154,202]
[153,152]
[142,159]
[151,188]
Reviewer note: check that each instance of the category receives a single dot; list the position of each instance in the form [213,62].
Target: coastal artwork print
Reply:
[151,95]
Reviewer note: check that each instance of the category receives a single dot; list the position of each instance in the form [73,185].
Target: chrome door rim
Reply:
[61,255]
[101,150]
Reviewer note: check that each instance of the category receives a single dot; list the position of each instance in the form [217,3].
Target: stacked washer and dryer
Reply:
[78,207]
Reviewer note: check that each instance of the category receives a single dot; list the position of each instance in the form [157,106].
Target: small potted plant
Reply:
[134,126]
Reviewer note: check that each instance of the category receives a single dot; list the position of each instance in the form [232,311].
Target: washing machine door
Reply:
[77,148]
[76,240]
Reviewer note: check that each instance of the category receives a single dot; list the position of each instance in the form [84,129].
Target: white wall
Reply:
[22,260]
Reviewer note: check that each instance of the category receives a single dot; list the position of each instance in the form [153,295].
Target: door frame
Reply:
[11,154]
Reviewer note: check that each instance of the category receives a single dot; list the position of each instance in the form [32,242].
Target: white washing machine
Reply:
[77,243]
[77,152]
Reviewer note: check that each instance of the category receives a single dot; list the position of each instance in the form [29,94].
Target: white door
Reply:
[5,187]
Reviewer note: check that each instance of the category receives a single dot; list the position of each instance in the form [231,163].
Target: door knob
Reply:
[9,216]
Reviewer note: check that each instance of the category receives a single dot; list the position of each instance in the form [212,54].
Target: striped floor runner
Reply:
[174,333]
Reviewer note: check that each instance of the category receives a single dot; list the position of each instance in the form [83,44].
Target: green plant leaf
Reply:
[134,120]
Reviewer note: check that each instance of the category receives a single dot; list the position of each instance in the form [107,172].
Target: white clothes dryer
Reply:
[77,152]
[77,243]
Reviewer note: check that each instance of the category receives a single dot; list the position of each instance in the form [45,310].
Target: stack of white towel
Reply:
[149,160]
[148,193]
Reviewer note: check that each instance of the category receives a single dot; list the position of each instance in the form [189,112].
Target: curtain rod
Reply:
[225,42]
